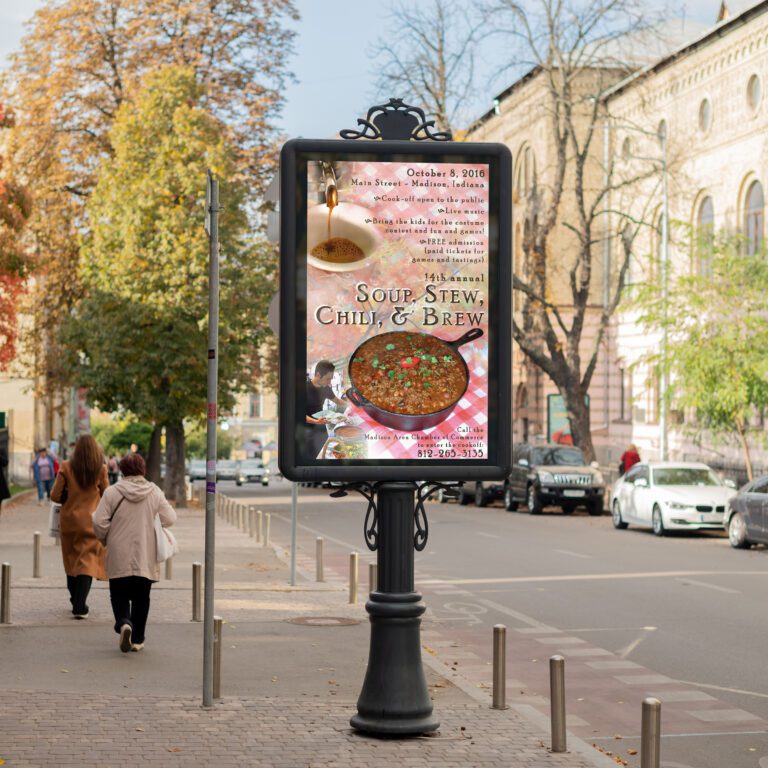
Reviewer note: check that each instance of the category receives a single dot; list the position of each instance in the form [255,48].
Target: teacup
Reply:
[348,222]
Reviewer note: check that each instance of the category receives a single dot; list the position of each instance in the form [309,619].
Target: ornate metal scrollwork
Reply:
[396,120]
[371,525]
[423,492]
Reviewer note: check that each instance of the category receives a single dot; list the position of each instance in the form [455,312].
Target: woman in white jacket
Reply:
[124,521]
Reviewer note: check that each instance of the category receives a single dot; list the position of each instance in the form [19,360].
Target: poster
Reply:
[397,311]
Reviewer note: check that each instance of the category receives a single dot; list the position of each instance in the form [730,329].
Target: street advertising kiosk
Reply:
[395,350]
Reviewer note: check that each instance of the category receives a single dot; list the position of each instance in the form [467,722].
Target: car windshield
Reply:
[684,476]
[197,463]
[558,457]
[251,465]
[226,464]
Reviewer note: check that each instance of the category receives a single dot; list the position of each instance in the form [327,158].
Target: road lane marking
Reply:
[613,664]
[644,679]
[529,620]
[727,690]
[488,535]
[592,577]
[704,584]
[572,554]
[722,715]
[624,652]
[706,734]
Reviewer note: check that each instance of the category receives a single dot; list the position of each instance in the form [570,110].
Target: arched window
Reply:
[517,264]
[705,236]
[754,217]
[526,173]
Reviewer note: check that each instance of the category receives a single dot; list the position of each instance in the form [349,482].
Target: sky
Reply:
[332,65]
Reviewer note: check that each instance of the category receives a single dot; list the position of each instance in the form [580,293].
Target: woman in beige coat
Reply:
[124,521]
[80,483]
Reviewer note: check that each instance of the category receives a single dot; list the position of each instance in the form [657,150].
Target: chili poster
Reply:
[397,310]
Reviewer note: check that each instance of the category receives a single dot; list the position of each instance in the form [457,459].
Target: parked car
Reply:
[667,496]
[252,471]
[746,515]
[196,470]
[462,496]
[226,469]
[553,475]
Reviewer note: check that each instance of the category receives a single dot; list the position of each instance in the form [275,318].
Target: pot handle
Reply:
[356,398]
[471,335]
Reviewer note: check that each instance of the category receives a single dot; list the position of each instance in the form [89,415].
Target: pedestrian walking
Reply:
[629,458]
[79,485]
[44,472]
[124,521]
[113,470]
[5,492]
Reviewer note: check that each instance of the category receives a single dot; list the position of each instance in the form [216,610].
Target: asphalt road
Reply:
[682,617]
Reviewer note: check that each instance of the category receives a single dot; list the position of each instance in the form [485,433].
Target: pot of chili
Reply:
[408,380]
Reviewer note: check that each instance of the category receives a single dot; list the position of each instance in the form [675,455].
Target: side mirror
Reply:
[594,465]
[728,483]
[641,482]
[523,462]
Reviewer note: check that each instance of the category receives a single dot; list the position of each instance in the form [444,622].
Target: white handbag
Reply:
[54,520]
[165,541]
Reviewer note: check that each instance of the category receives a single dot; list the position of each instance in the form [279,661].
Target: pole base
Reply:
[394,700]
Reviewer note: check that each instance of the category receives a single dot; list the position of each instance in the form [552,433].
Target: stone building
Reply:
[704,87]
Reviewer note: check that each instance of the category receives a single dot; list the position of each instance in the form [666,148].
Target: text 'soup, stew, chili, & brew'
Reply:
[409,373]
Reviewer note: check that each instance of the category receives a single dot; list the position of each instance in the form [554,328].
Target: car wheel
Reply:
[509,500]
[481,499]
[658,523]
[616,515]
[568,509]
[238,483]
[737,531]
[441,496]
[265,483]
[596,507]
[533,500]
[464,497]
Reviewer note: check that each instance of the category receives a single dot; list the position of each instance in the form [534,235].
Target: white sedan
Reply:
[667,496]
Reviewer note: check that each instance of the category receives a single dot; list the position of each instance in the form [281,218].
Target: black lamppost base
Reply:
[394,700]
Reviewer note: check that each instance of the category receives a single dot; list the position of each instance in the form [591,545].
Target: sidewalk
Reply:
[71,698]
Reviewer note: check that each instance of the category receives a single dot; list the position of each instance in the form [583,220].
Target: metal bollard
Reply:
[197,591]
[499,667]
[353,573]
[5,594]
[259,526]
[36,555]
[217,623]
[251,521]
[373,577]
[169,569]
[240,517]
[650,734]
[266,529]
[319,559]
[557,702]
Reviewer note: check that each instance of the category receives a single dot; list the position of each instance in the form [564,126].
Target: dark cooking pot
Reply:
[407,422]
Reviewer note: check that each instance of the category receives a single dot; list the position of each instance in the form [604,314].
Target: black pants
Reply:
[79,587]
[130,604]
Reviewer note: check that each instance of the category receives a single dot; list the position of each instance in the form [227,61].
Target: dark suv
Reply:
[553,475]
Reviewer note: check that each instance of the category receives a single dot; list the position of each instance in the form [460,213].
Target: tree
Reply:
[75,68]
[15,209]
[429,55]
[573,50]
[139,333]
[718,340]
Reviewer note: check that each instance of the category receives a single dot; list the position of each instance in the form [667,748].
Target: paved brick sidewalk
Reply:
[71,698]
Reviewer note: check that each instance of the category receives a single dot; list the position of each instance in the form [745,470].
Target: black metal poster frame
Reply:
[295,157]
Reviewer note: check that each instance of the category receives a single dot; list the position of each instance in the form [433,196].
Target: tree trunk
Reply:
[153,455]
[745,448]
[578,414]
[175,487]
